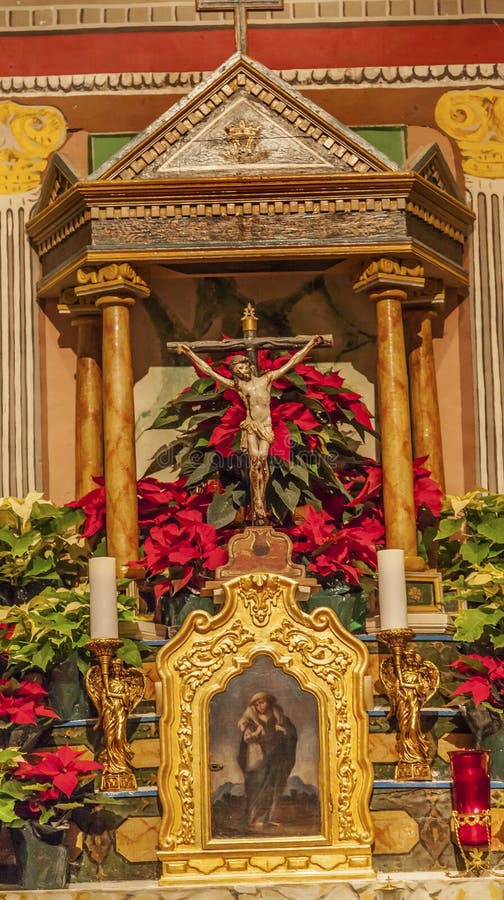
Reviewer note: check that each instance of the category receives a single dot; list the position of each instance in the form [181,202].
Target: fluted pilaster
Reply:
[475,120]
[29,135]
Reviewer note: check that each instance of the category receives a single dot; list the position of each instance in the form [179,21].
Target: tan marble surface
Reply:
[410,886]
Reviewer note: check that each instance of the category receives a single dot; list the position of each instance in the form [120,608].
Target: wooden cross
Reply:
[249,344]
[239,7]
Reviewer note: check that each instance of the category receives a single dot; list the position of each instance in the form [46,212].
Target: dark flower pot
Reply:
[42,857]
[495,743]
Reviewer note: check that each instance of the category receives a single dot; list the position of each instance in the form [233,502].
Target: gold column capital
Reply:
[118,283]
[29,135]
[76,308]
[389,274]
[475,119]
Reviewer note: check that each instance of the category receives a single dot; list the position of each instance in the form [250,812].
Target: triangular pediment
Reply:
[59,177]
[243,120]
[430,163]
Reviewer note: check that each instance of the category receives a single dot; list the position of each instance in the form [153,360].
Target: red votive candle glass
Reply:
[471,792]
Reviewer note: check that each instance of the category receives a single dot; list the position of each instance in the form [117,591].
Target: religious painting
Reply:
[264,756]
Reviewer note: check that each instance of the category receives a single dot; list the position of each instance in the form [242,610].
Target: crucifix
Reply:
[239,8]
[254,388]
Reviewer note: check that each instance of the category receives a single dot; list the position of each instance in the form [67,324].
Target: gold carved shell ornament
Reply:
[475,119]
[28,135]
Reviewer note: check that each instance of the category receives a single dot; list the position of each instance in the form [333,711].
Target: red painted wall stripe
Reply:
[286,48]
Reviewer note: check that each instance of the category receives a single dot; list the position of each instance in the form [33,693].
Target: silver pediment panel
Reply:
[243,138]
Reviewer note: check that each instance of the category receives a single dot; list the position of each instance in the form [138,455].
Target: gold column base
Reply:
[118,781]
[413,771]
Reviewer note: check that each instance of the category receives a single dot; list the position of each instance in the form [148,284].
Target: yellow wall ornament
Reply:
[28,135]
[475,119]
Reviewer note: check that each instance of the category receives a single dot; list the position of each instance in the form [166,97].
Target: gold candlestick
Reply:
[409,681]
[115,691]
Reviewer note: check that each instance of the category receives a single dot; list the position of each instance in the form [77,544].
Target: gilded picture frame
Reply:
[424,592]
[216,672]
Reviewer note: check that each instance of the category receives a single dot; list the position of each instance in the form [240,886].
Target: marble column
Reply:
[475,120]
[386,282]
[88,402]
[426,422]
[114,290]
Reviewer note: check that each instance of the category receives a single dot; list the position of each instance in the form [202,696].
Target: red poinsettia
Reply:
[329,548]
[93,506]
[56,773]
[328,389]
[20,703]
[186,543]
[427,491]
[368,482]
[483,679]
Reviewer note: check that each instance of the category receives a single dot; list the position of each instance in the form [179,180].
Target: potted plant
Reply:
[38,793]
[40,544]
[47,636]
[39,789]
[471,542]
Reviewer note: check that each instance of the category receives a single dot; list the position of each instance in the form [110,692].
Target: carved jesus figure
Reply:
[256,428]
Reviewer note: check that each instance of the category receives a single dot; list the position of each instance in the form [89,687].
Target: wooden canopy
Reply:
[245,174]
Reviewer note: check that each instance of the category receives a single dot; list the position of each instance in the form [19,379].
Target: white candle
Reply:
[392,589]
[103,597]
[368,692]
[158,687]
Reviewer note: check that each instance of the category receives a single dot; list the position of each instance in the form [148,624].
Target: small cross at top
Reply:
[239,7]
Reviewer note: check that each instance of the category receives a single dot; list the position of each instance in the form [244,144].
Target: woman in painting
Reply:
[266,757]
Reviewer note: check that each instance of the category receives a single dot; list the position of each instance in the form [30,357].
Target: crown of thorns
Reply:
[238,359]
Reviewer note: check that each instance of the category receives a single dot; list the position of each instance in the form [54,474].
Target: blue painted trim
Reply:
[445,638]
[146,717]
[379,784]
[382,711]
[367,638]
[124,795]
[149,718]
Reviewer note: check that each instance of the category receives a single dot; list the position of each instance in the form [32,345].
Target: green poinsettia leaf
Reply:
[208,415]
[40,567]
[203,471]
[295,432]
[130,652]
[448,527]
[474,553]
[288,494]
[223,508]
[43,657]
[301,473]
[195,602]
[498,640]
[167,418]
[492,528]
[9,756]
[470,625]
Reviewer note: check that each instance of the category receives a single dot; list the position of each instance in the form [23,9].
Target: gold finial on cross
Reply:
[239,7]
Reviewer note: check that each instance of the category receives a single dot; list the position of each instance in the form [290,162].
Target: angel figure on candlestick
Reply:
[115,694]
